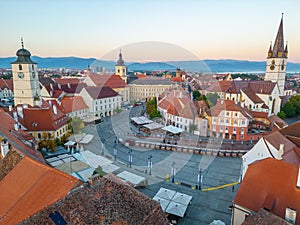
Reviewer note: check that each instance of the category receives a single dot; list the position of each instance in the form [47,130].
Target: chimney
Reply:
[4,147]
[16,127]
[15,116]
[55,109]
[280,151]
[50,103]
[20,111]
[10,108]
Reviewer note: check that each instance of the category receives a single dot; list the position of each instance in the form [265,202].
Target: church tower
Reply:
[25,79]
[276,60]
[120,68]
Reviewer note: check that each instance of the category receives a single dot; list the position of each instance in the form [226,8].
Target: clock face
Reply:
[21,75]
[33,74]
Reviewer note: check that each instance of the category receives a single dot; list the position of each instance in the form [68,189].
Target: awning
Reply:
[172,129]
[141,120]
[163,202]
[132,178]
[165,193]
[182,198]
[153,126]
[176,209]
[86,139]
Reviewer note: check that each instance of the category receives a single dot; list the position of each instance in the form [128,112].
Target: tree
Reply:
[76,125]
[281,115]
[295,101]
[155,113]
[212,98]
[192,128]
[196,95]
[289,109]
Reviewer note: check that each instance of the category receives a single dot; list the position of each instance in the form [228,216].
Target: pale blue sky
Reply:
[215,29]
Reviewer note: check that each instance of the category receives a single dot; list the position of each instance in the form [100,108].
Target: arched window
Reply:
[32,67]
[20,67]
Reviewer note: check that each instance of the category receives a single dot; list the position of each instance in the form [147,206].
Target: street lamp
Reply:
[115,153]
[150,163]
[173,172]
[200,179]
[130,159]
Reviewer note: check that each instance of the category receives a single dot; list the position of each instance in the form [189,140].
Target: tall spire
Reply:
[120,62]
[278,48]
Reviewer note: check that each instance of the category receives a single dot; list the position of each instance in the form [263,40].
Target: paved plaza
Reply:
[216,171]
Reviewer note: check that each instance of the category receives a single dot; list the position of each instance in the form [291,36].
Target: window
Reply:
[227,113]
[227,122]
[20,67]
[39,136]
[235,114]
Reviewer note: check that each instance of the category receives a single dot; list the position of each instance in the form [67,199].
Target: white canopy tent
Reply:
[163,202]
[136,180]
[172,129]
[153,126]
[165,193]
[141,120]
[176,209]
[182,198]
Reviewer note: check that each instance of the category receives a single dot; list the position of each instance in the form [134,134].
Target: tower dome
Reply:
[23,56]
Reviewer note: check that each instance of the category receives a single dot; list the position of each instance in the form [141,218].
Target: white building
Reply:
[101,101]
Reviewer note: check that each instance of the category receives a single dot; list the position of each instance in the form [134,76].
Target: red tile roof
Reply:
[270,180]
[141,76]
[62,81]
[263,217]
[177,79]
[112,81]
[6,84]
[37,187]
[43,119]
[229,105]
[19,139]
[106,202]
[72,104]
[276,138]
[101,92]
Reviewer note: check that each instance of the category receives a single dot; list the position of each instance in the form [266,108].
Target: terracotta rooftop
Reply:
[101,92]
[105,202]
[67,80]
[37,187]
[43,118]
[112,81]
[22,141]
[292,130]
[277,121]
[229,105]
[270,184]
[276,138]
[72,104]
[177,79]
[6,84]
[263,217]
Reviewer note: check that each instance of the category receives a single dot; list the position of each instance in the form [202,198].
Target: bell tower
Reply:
[25,79]
[120,68]
[277,60]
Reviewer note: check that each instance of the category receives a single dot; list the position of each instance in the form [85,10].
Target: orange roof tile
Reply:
[177,79]
[71,104]
[6,84]
[37,187]
[18,138]
[141,76]
[112,81]
[67,80]
[270,180]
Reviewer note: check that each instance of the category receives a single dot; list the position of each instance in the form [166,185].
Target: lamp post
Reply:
[115,153]
[173,172]
[200,179]
[130,159]
[150,163]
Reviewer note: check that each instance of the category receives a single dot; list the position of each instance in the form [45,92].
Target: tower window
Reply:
[20,67]
[32,67]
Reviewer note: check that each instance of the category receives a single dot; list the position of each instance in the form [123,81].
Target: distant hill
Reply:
[216,66]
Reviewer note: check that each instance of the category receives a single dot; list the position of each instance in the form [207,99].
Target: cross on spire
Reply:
[22,43]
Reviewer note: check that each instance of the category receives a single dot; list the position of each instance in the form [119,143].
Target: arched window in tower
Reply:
[118,70]
[32,67]
[282,66]
[123,70]
[20,67]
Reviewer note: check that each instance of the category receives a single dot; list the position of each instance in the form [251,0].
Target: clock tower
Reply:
[120,68]
[25,79]
[276,60]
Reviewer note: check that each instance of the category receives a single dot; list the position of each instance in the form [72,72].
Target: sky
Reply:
[209,29]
